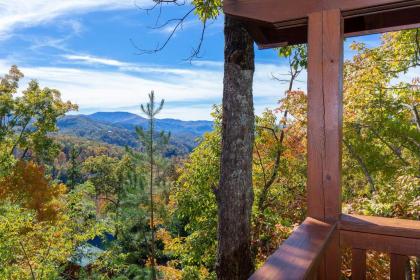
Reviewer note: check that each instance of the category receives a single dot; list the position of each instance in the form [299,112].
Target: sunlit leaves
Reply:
[380,126]
[27,186]
[207,9]
[297,55]
[27,120]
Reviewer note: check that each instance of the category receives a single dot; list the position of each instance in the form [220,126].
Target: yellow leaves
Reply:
[169,272]
[27,186]
[163,235]
[26,240]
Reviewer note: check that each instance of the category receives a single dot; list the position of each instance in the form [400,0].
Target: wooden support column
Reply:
[325,103]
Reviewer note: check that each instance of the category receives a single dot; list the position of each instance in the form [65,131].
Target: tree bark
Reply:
[235,194]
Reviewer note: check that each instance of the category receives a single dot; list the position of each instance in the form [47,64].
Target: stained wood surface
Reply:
[332,258]
[325,115]
[380,243]
[273,11]
[382,22]
[398,267]
[358,265]
[316,122]
[332,76]
[274,23]
[298,256]
[379,225]
[324,128]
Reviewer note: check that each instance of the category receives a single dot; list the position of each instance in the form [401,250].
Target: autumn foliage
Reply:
[28,186]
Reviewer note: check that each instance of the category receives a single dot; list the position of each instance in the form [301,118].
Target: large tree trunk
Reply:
[235,195]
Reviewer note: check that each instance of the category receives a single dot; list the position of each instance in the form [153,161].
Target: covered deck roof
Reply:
[274,23]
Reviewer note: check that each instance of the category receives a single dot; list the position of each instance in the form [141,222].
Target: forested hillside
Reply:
[118,196]
[118,128]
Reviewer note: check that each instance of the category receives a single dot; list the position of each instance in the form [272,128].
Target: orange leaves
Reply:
[27,186]
[295,103]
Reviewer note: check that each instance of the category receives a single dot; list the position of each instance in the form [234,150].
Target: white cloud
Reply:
[23,13]
[74,25]
[207,63]
[95,60]
[114,89]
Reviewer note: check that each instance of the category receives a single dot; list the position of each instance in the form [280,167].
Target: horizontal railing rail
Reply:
[387,235]
[299,255]
[398,237]
[379,225]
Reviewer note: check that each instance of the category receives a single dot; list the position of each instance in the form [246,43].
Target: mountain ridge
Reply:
[118,128]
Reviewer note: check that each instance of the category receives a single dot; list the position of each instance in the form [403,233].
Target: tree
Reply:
[274,144]
[33,247]
[73,172]
[381,133]
[194,207]
[234,193]
[26,121]
[152,147]
[28,187]
[193,201]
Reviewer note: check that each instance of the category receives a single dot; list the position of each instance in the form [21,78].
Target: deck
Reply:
[301,256]
[313,251]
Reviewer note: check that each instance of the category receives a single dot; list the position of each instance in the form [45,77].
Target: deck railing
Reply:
[300,255]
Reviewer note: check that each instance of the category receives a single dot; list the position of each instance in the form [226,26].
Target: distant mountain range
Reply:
[118,128]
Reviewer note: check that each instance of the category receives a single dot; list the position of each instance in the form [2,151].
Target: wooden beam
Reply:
[380,243]
[379,225]
[299,255]
[273,11]
[387,21]
[325,56]
[316,122]
[289,20]
[332,78]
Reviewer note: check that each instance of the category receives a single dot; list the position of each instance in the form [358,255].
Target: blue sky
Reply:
[87,50]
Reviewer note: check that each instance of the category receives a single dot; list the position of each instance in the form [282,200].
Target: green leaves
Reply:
[380,126]
[26,121]
[297,56]
[207,9]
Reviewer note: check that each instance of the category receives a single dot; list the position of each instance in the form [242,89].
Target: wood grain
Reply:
[299,255]
[398,267]
[379,225]
[332,77]
[274,23]
[358,265]
[316,140]
[380,243]
[273,11]
[324,127]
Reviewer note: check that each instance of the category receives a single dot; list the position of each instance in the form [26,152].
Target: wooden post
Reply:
[358,266]
[325,103]
[398,267]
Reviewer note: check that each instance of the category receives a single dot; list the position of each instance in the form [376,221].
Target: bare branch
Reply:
[179,23]
[361,163]
[261,163]
[28,261]
[196,51]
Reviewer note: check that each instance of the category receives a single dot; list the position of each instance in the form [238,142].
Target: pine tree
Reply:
[73,172]
[152,144]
